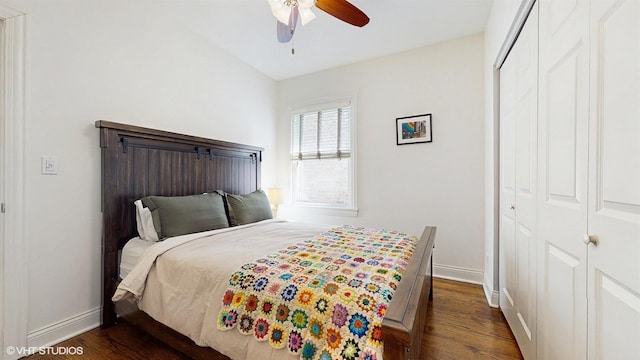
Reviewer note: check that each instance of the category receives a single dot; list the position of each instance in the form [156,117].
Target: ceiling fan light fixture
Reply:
[281,9]
[306,15]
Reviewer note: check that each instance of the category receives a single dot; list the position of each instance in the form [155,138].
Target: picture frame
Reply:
[413,129]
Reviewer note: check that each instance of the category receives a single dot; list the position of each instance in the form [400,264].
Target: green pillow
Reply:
[249,208]
[179,215]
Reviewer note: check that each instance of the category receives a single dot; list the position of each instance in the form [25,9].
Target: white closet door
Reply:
[508,264]
[614,181]
[518,122]
[563,157]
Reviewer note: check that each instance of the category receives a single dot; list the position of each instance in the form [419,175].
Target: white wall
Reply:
[90,60]
[410,186]
[503,13]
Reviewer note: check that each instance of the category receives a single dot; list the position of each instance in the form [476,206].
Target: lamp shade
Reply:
[275,195]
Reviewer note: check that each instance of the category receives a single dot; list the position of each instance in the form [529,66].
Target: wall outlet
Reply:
[49,165]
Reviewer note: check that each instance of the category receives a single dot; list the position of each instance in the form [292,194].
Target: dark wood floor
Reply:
[459,325]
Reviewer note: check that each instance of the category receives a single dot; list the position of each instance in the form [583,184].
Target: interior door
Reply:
[563,156]
[518,121]
[614,181]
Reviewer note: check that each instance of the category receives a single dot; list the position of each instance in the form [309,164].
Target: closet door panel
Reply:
[518,125]
[507,185]
[562,178]
[508,261]
[614,182]
[561,323]
[525,173]
[562,134]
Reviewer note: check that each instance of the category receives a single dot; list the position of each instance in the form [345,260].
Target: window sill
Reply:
[317,210]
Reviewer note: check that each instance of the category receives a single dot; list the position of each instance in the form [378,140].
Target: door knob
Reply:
[512,207]
[590,239]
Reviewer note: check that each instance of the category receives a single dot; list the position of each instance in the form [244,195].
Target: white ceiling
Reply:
[247,30]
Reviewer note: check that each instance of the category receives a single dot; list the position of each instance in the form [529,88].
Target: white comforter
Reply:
[180,281]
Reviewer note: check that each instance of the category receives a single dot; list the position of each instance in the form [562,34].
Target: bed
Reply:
[138,162]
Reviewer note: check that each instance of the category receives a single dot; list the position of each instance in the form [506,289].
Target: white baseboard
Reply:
[468,276]
[458,274]
[493,296]
[65,329]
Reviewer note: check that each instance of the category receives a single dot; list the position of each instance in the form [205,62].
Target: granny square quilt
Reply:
[322,298]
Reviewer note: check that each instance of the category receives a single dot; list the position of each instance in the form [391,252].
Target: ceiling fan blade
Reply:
[343,10]
[285,31]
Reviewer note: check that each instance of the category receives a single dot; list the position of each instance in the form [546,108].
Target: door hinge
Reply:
[2,208]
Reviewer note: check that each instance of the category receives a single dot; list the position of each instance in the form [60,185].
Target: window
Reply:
[322,156]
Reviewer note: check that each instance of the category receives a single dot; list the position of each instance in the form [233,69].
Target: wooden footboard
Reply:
[403,324]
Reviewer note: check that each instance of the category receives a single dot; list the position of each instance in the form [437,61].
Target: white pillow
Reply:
[138,205]
[144,222]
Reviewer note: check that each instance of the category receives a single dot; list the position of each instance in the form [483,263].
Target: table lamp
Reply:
[275,198]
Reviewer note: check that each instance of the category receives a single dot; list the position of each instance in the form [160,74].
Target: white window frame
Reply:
[318,105]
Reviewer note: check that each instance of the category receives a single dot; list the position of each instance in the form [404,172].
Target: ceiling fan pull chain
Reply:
[292,23]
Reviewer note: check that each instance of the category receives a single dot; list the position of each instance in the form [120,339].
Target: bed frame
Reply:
[138,161]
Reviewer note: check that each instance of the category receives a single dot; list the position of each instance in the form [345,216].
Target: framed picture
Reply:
[413,129]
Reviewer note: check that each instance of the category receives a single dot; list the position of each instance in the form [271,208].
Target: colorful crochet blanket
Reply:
[322,298]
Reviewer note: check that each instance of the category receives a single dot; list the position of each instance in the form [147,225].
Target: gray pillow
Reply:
[179,215]
[249,208]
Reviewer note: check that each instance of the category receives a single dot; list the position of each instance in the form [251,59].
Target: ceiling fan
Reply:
[288,11]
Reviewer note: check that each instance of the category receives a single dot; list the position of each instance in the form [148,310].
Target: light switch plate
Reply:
[49,165]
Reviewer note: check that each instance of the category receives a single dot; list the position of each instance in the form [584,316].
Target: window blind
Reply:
[322,134]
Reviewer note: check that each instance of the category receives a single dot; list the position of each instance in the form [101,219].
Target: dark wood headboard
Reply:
[138,161]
